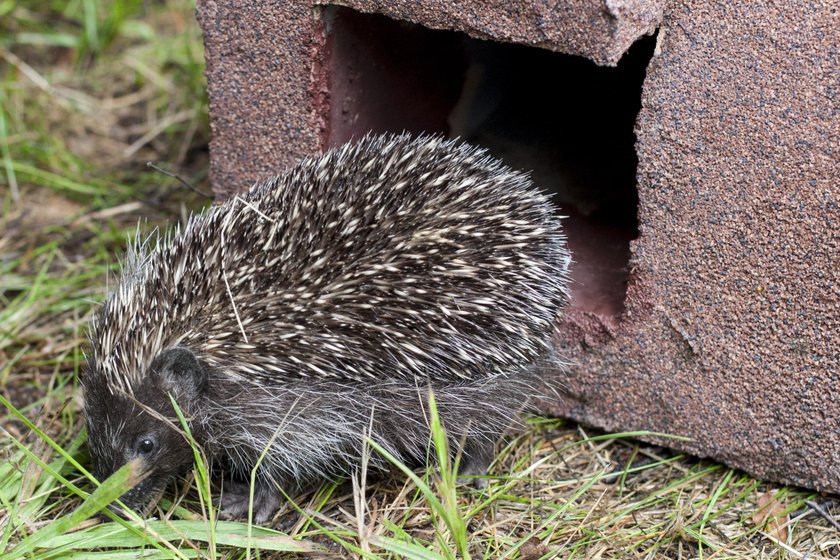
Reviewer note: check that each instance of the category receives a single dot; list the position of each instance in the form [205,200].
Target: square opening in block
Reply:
[563,118]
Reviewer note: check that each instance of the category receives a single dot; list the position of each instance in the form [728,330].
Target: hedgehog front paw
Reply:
[236,498]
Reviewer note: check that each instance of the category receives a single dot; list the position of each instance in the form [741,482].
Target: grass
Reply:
[90,90]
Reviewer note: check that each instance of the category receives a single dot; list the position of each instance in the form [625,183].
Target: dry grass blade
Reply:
[772,517]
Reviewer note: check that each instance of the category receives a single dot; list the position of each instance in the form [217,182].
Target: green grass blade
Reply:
[202,478]
[121,555]
[65,40]
[452,516]
[53,180]
[227,533]
[428,493]
[115,486]
[406,549]
[41,434]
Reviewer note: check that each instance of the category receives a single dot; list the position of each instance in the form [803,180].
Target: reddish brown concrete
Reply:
[266,60]
[730,331]
[599,30]
[731,334]
[267,88]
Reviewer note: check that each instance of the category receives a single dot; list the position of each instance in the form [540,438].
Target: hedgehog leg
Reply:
[476,456]
[236,498]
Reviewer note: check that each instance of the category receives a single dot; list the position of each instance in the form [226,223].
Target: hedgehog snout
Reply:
[144,426]
[143,497]
[160,455]
[159,451]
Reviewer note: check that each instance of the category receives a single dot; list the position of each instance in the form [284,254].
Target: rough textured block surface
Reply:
[730,330]
[731,334]
[267,63]
[601,30]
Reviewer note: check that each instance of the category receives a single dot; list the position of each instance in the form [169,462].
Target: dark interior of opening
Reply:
[567,120]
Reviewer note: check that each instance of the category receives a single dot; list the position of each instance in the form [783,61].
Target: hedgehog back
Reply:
[389,258]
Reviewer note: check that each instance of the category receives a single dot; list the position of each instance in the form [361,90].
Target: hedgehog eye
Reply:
[145,445]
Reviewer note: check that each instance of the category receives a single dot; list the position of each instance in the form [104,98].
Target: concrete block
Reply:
[707,294]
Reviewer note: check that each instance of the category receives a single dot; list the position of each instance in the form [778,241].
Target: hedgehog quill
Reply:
[323,305]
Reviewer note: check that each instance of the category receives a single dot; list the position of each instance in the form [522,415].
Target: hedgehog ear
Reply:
[180,373]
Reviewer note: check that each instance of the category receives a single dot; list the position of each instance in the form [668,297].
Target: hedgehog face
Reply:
[145,426]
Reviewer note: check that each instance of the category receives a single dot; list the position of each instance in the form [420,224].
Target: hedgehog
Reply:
[317,312]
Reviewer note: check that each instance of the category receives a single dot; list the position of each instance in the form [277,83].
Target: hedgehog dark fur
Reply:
[324,304]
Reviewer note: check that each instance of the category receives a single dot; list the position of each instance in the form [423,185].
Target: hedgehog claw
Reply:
[236,499]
